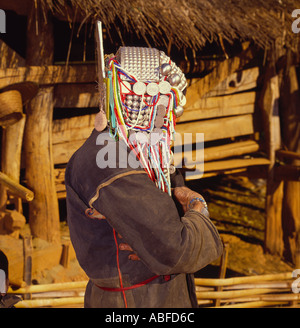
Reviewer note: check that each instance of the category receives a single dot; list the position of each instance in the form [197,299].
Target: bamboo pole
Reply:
[59,294]
[50,302]
[272,284]
[223,268]
[282,297]
[242,280]
[271,299]
[16,188]
[48,287]
[232,293]
[255,304]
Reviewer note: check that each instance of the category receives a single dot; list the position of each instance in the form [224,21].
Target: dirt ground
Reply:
[236,206]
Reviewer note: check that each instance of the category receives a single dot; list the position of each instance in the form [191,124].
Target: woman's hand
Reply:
[184,195]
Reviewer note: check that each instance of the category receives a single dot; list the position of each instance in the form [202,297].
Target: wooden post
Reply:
[43,211]
[269,105]
[12,137]
[290,116]
[27,275]
[222,273]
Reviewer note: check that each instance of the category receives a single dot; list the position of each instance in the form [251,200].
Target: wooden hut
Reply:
[244,95]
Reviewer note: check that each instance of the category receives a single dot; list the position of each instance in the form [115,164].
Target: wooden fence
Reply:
[271,290]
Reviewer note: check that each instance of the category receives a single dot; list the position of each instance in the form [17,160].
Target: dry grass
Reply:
[189,23]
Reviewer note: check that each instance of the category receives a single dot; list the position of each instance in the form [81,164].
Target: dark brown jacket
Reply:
[137,213]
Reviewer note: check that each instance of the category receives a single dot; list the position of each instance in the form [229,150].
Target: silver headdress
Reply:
[144,95]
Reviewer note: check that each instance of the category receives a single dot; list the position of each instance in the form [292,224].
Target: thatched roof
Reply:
[189,23]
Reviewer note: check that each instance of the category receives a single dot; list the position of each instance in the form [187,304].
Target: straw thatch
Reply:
[189,23]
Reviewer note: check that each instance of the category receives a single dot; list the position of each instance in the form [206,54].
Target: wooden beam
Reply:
[62,152]
[76,95]
[287,154]
[227,165]
[12,138]
[240,171]
[203,108]
[287,173]
[69,134]
[229,150]
[48,74]
[226,102]
[220,73]
[234,163]
[15,188]
[236,82]
[221,128]
[10,58]
[201,114]
[220,152]
[74,128]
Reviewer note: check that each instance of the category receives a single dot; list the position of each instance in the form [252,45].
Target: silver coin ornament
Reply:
[159,122]
[174,79]
[165,69]
[142,137]
[164,87]
[139,88]
[172,169]
[161,110]
[163,100]
[152,89]
[179,111]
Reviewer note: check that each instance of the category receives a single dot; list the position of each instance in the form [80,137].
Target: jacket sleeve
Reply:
[149,222]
